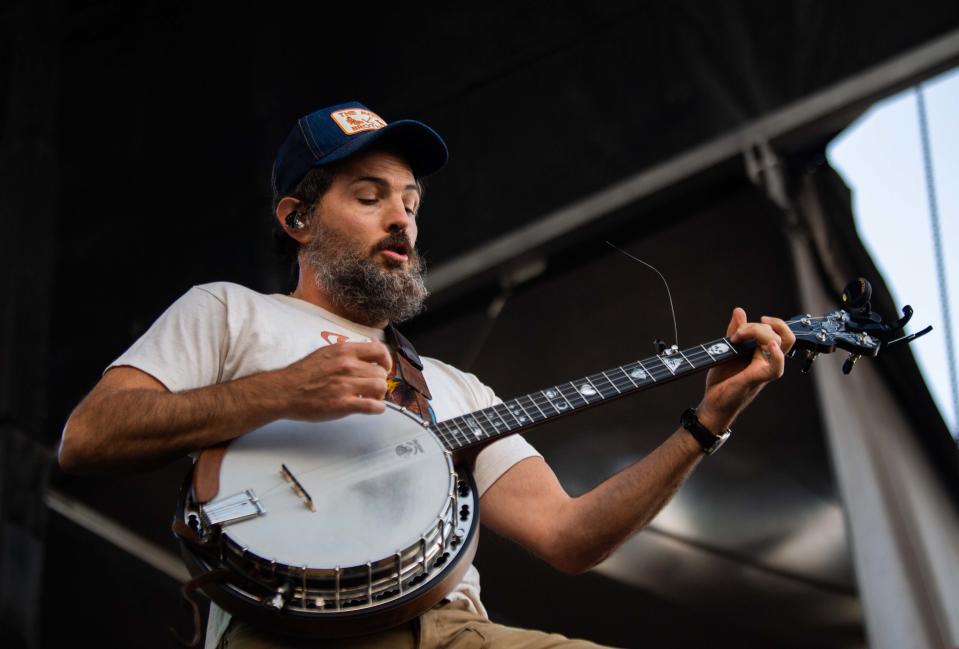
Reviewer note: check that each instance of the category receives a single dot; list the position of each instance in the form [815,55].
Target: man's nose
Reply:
[397,218]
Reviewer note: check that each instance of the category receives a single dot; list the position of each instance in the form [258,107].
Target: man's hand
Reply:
[731,386]
[337,380]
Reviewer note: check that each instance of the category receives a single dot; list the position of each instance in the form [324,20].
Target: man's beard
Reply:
[355,283]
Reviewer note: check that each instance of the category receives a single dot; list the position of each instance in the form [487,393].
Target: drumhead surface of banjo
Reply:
[378,482]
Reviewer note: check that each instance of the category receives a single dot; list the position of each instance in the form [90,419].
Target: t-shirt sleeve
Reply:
[497,458]
[186,346]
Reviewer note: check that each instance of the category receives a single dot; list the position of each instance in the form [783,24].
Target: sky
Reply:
[880,156]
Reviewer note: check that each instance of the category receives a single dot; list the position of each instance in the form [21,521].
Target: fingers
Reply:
[361,396]
[738,319]
[373,352]
[761,333]
[360,359]
[785,333]
[365,406]
[336,380]
[369,388]
[730,390]
[773,355]
[773,339]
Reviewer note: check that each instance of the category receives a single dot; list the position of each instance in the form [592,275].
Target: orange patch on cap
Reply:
[356,120]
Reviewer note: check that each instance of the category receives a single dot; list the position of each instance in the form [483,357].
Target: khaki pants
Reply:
[445,626]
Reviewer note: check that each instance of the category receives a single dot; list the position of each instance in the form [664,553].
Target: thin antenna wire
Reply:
[668,294]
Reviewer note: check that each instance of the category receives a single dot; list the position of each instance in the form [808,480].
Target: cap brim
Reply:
[423,148]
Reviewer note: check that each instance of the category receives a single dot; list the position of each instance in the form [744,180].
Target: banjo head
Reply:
[378,483]
[332,529]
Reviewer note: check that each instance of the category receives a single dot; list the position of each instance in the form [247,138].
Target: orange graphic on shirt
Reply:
[332,337]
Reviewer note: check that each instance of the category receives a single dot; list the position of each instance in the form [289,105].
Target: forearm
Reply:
[139,428]
[131,421]
[595,524]
[574,534]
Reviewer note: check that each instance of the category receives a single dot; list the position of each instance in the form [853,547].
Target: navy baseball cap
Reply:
[335,132]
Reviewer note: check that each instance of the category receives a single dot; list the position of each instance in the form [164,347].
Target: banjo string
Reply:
[343,471]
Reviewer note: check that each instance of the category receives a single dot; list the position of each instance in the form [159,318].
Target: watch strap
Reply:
[708,440]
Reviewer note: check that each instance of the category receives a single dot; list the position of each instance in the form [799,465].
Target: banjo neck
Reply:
[468,432]
[859,331]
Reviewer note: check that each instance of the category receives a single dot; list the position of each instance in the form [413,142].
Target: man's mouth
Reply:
[397,250]
[395,255]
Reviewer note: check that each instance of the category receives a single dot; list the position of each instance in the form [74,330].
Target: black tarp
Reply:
[137,141]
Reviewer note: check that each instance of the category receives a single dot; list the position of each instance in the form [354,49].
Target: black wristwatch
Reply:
[708,440]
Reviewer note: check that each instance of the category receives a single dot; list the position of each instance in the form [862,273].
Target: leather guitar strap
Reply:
[406,385]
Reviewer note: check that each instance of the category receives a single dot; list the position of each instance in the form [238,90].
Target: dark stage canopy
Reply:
[137,141]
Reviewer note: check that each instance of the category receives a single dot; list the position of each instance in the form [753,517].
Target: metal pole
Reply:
[940,260]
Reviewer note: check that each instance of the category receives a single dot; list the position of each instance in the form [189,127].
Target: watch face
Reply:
[720,440]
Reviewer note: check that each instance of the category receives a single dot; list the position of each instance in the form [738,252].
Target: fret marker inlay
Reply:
[474,428]
[673,363]
[638,374]
[718,348]
[586,390]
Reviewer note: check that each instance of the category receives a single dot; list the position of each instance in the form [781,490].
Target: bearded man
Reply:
[224,360]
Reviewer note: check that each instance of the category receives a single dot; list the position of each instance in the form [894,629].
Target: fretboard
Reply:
[522,413]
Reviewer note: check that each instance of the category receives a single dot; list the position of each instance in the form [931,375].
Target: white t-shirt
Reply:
[223,331]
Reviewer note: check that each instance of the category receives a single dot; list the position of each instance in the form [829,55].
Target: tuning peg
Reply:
[906,317]
[808,359]
[857,294]
[849,363]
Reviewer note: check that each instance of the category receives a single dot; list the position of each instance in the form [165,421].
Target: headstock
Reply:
[855,328]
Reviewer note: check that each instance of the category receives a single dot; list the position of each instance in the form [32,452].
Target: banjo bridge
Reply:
[232,509]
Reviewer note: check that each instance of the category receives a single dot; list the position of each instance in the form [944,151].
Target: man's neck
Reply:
[310,292]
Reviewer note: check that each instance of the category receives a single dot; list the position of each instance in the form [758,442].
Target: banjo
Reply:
[356,525]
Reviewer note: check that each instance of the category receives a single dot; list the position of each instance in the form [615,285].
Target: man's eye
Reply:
[366,201]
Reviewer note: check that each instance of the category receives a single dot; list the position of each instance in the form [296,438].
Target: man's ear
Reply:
[292,218]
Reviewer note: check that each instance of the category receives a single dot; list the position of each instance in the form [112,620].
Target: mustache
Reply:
[398,241]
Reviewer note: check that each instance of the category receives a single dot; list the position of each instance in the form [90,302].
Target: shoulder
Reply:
[215,301]
[436,366]
[445,375]
[226,292]
[233,298]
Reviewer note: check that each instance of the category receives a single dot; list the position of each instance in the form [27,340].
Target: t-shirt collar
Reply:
[354,327]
